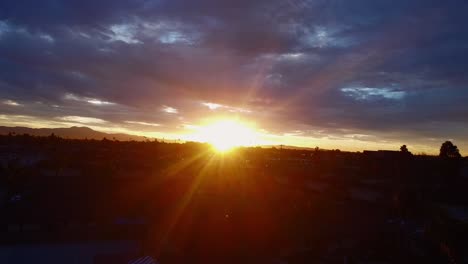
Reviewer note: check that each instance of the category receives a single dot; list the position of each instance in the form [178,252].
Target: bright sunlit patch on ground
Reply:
[225,135]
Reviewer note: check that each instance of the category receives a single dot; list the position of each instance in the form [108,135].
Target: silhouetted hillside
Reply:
[71,132]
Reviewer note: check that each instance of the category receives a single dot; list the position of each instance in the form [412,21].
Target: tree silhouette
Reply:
[449,150]
[404,149]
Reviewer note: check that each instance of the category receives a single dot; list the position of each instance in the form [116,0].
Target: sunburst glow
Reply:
[225,135]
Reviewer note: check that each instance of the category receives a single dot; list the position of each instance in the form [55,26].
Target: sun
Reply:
[224,135]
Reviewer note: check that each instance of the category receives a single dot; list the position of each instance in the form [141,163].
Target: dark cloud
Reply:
[389,69]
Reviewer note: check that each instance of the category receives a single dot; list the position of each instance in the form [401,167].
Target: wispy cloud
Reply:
[215,106]
[143,123]
[369,93]
[212,106]
[83,119]
[11,103]
[93,101]
[169,110]
[123,32]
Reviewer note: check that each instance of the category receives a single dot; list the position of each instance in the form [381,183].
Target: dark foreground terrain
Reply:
[89,201]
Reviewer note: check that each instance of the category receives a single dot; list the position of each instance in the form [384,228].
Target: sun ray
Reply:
[226,134]
[183,203]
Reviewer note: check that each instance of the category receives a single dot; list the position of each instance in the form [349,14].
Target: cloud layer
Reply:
[361,71]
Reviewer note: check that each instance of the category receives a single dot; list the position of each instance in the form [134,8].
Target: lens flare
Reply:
[224,135]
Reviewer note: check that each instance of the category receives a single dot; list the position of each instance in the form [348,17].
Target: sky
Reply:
[353,75]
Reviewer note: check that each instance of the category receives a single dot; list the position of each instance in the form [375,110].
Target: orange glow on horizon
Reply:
[225,135]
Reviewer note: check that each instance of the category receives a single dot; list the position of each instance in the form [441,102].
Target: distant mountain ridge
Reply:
[70,132]
[76,132]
